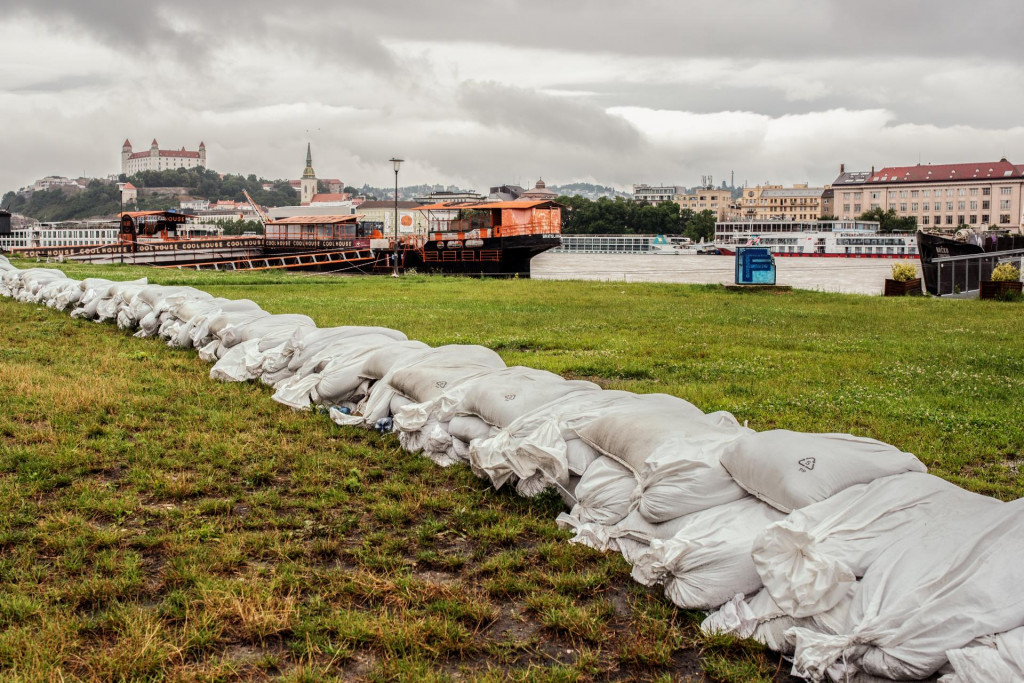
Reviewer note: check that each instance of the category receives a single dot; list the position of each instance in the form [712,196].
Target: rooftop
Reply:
[794,192]
[924,173]
[378,204]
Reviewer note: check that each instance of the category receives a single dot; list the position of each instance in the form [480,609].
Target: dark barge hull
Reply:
[932,246]
[494,256]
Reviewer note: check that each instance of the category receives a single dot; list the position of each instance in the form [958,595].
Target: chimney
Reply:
[872,169]
[842,169]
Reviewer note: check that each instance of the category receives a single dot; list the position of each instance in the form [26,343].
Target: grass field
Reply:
[159,525]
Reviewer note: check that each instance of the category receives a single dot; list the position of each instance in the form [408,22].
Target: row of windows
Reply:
[1004,219]
[950,192]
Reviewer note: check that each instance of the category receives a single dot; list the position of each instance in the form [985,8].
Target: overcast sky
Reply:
[483,92]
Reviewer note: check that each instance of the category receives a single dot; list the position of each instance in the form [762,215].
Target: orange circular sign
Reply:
[407,221]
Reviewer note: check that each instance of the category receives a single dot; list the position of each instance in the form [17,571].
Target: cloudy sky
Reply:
[482,92]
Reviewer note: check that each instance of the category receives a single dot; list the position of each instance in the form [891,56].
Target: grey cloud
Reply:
[741,28]
[190,30]
[538,117]
[62,84]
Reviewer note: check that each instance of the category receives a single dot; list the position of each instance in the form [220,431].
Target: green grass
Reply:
[158,525]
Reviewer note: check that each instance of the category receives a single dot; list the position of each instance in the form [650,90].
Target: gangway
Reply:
[284,261]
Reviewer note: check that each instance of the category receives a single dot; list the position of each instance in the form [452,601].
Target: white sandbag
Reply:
[708,560]
[790,469]
[534,448]
[603,494]
[69,296]
[760,619]
[334,374]
[466,428]
[278,326]
[504,396]
[497,398]
[381,362]
[674,450]
[997,659]
[628,535]
[934,591]
[233,366]
[309,343]
[119,295]
[424,376]
[809,560]
[579,455]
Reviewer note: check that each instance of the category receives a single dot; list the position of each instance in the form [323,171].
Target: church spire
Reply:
[309,172]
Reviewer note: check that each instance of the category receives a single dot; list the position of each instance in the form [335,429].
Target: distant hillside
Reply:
[102,198]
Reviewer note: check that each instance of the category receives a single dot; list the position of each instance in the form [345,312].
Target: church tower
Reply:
[308,182]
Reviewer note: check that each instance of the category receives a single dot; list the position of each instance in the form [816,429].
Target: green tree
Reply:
[889,221]
[701,226]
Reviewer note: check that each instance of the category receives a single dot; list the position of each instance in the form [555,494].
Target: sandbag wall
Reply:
[840,551]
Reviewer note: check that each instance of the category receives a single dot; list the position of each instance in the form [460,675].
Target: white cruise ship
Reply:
[850,239]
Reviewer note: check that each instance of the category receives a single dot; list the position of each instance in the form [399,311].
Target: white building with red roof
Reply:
[156,159]
[980,195]
[129,193]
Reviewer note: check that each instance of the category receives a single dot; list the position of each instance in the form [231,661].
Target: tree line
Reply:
[606,216]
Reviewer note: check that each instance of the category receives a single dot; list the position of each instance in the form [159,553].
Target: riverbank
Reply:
[844,275]
[165,525]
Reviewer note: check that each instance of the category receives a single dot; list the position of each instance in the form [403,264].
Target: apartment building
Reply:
[797,203]
[717,200]
[940,195]
[654,195]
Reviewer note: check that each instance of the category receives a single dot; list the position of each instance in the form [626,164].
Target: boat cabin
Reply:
[482,220]
[317,228]
[162,224]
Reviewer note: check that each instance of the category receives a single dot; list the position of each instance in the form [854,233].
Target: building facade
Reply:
[156,159]
[797,203]
[654,195]
[978,195]
[717,200]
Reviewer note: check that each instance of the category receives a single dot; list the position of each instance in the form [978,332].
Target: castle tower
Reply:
[202,154]
[126,151]
[154,149]
[308,182]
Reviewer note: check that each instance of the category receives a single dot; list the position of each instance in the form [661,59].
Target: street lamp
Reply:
[397,163]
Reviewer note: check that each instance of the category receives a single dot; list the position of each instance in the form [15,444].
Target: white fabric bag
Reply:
[789,470]
[809,560]
[996,659]
[938,590]
[707,562]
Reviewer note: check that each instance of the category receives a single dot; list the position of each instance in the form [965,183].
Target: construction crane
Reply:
[264,219]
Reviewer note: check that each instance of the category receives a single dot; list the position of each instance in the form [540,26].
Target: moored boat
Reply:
[850,239]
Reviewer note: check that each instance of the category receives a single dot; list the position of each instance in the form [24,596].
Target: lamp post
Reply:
[397,163]
[394,255]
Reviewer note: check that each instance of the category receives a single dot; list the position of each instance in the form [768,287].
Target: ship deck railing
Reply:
[956,275]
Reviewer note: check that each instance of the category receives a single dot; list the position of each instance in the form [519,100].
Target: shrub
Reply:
[903,272]
[1005,272]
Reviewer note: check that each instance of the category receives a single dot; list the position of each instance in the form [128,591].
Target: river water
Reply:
[847,275]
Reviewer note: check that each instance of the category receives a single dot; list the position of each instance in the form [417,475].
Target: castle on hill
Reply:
[156,159]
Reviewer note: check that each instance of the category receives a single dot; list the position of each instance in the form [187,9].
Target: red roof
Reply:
[328,197]
[988,170]
[128,186]
[181,154]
